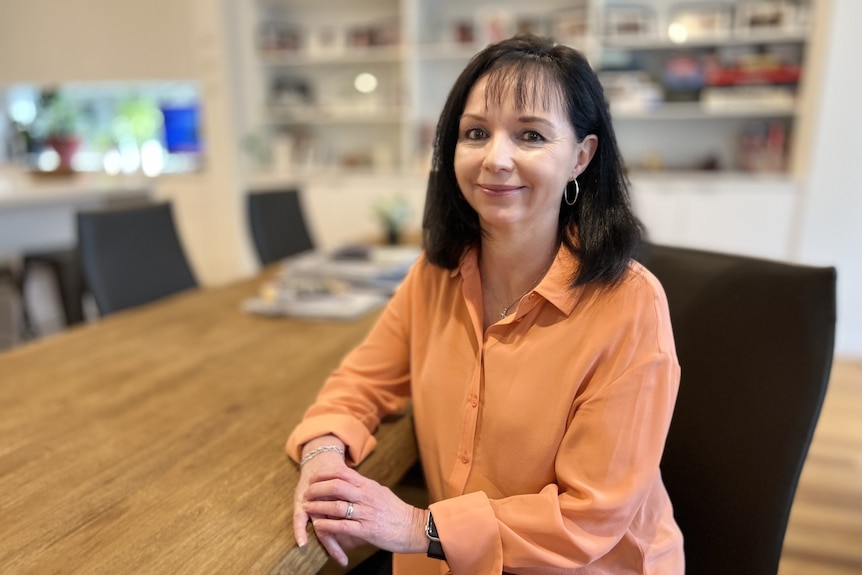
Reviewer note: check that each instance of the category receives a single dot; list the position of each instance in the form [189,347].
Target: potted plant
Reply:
[393,213]
[58,121]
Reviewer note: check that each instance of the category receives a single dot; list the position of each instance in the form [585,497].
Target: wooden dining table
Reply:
[152,440]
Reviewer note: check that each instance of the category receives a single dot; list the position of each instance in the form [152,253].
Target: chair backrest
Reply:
[755,341]
[278,224]
[132,256]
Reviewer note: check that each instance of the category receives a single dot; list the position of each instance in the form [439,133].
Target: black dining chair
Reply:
[64,263]
[278,225]
[132,256]
[755,343]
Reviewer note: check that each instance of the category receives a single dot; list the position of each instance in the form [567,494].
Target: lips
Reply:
[497,188]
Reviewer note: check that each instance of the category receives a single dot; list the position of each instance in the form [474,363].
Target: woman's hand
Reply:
[376,515]
[325,463]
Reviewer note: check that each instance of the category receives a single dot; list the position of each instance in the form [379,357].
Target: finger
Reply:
[330,543]
[334,489]
[300,523]
[343,473]
[348,542]
[333,509]
[340,528]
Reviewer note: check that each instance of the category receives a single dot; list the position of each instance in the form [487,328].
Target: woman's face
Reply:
[512,164]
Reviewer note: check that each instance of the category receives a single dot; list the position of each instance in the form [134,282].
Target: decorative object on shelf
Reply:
[493,25]
[770,100]
[276,37]
[752,77]
[290,97]
[326,40]
[763,147]
[257,146]
[631,92]
[570,25]
[531,24]
[383,33]
[682,78]
[392,213]
[463,32]
[629,21]
[762,17]
[359,37]
[689,21]
[749,66]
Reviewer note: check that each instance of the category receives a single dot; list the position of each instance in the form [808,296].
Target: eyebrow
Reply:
[521,119]
[535,120]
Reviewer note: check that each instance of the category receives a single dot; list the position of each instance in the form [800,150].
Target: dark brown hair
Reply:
[600,228]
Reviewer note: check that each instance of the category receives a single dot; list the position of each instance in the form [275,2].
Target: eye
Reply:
[475,134]
[532,137]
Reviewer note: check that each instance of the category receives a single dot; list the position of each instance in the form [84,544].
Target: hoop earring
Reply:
[577,192]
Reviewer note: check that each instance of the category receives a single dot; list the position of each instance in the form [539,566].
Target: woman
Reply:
[538,355]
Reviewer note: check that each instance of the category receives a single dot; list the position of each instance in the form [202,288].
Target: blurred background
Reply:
[738,119]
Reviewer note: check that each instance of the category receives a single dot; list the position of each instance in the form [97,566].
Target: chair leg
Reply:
[66,268]
[70,281]
[27,330]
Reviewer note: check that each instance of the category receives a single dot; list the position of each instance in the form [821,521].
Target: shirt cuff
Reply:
[469,533]
[359,442]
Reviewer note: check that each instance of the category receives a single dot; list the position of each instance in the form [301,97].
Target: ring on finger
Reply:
[349,514]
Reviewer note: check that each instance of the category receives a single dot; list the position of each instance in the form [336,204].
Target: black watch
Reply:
[435,549]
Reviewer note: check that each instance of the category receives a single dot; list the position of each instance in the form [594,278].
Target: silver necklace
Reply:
[504,309]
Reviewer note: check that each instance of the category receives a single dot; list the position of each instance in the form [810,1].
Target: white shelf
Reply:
[446,51]
[699,111]
[664,43]
[337,116]
[711,177]
[346,57]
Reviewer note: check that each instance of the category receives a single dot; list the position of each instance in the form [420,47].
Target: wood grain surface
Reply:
[824,534]
[152,441]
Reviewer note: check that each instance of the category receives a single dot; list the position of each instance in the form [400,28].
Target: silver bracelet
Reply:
[318,450]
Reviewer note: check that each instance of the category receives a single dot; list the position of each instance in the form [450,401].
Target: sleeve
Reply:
[373,381]
[606,468]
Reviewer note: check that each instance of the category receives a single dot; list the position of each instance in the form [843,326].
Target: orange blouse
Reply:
[540,437]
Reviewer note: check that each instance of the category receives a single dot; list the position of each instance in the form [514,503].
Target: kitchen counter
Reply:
[38,211]
[22,189]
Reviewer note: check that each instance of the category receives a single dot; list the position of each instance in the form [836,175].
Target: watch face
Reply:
[431,528]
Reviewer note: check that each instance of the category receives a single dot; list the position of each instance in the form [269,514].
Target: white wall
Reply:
[81,40]
[831,220]
[210,205]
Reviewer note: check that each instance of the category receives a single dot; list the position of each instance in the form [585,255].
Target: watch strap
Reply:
[435,548]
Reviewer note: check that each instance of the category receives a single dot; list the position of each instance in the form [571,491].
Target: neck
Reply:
[510,269]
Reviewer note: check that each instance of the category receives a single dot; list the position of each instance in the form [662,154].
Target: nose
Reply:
[499,153]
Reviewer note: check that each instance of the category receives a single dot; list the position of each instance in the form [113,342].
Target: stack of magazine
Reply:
[344,284]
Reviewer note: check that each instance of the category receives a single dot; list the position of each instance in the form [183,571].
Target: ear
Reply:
[587,150]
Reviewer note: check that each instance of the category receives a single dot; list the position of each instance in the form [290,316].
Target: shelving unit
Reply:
[310,53]
[416,48]
[333,77]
